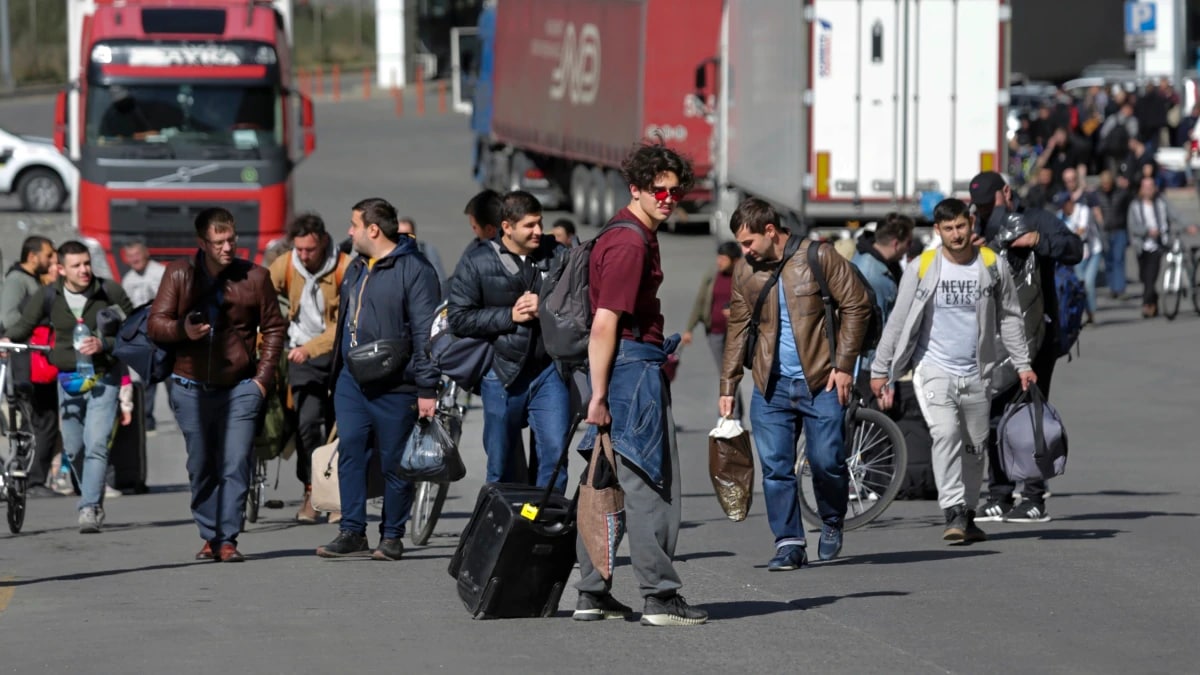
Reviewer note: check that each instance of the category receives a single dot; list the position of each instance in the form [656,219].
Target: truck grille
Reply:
[169,228]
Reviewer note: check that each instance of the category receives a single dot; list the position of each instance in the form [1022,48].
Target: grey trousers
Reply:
[956,410]
[652,517]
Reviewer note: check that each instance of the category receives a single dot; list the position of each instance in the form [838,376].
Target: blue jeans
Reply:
[366,425]
[1087,270]
[218,426]
[1114,260]
[537,400]
[87,422]
[776,419]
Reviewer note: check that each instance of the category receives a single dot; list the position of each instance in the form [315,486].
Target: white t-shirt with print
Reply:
[949,332]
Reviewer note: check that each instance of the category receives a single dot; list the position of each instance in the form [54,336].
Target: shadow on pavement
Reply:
[164,489]
[1056,535]
[1115,493]
[1125,515]
[701,555]
[284,553]
[108,527]
[904,557]
[741,609]
[101,573]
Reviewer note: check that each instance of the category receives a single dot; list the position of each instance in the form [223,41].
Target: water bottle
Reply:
[83,362]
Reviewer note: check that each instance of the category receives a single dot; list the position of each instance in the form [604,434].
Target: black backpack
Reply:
[874,324]
[564,310]
[135,349]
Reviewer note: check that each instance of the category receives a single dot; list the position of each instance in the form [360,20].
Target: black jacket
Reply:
[399,300]
[100,293]
[486,284]
[1057,244]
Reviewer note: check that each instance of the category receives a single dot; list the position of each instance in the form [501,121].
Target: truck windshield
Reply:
[182,117]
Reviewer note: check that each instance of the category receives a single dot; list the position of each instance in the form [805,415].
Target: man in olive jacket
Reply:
[87,403]
[798,384]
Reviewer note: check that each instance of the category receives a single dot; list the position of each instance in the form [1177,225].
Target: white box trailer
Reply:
[841,110]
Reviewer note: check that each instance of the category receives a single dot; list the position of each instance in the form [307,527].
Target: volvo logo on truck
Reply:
[578,73]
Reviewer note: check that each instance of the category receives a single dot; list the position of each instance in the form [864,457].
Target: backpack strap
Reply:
[48,295]
[927,258]
[814,265]
[287,274]
[788,251]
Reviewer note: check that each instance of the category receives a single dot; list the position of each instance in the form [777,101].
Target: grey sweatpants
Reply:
[652,517]
[956,410]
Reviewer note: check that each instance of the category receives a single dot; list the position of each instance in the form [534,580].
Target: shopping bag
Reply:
[601,512]
[430,454]
[326,494]
[731,467]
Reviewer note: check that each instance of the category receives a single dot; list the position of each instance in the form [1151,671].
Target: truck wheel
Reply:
[616,193]
[41,190]
[597,186]
[580,180]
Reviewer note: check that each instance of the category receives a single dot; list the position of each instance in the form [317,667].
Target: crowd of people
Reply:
[966,320]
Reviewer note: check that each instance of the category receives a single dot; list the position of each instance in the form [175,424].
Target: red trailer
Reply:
[574,84]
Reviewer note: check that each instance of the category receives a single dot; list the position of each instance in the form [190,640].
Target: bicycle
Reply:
[17,427]
[876,457]
[1178,279]
[429,497]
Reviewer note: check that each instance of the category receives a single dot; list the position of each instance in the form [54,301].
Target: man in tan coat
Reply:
[309,276]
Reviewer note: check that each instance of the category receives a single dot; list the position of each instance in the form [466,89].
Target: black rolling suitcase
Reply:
[127,451]
[516,554]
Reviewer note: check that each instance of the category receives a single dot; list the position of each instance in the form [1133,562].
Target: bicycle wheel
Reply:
[427,507]
[21,441]
[1172,287]
[15,496]
[256,494]
[876,457]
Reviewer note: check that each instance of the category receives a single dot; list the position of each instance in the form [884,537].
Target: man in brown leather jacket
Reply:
[210,309]
[798,384]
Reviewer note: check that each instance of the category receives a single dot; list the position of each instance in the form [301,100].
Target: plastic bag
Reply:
[731,468]
[430,454]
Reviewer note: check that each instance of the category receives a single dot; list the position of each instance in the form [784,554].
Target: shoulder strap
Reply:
[48,293]
[509,264]
[814,266]
[626,224]
[788,252]
[339,270]
[287,274]
[927,258]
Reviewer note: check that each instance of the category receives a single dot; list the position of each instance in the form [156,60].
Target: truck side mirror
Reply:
[60,120]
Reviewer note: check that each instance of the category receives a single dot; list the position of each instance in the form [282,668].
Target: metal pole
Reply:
[6,74]
[33,32]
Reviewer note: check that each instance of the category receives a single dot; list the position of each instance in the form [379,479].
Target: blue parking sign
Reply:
[1140,17]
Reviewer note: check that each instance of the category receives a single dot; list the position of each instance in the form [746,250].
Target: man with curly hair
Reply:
[631,396]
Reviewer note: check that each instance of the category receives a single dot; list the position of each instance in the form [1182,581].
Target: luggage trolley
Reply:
[16,425]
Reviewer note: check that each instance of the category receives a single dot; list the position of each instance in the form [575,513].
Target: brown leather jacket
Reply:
[249,306]
[807,314]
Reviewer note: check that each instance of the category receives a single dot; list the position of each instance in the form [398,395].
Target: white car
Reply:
[33,170]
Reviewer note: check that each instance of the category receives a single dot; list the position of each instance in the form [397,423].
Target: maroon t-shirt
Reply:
[722,292]
[621,279]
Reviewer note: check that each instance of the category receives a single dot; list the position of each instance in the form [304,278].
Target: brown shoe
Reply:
[229,553]
[335,517]
[206,553]
[307,514]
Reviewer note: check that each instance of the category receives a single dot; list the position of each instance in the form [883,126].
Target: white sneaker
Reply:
[90,520]
[111,492]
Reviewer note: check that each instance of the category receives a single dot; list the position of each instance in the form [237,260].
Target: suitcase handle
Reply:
[533,512]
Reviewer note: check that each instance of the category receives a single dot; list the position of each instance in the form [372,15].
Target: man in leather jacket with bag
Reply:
[210,310]
[494,296]
[799,384]
[382,377]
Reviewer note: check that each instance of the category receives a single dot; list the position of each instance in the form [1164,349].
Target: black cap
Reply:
[985,186]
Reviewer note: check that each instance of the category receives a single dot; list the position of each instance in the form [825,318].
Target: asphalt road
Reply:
[1110,585]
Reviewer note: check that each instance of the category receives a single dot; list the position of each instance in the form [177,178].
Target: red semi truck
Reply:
[565,88]
[174,106]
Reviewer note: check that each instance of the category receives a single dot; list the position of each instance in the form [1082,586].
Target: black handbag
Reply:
[751,343]
[379,362]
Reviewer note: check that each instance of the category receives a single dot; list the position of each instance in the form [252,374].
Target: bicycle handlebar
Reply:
[18,347]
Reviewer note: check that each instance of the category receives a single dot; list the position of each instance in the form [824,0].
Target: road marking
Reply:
[6,593]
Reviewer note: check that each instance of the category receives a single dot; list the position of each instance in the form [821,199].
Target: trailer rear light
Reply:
[987,161]
[822,174]
[534,173]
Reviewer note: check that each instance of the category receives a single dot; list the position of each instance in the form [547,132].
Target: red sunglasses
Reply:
[660,193]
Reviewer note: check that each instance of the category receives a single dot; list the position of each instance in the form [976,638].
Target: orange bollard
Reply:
[398,95]
[319,81]
[441,97]
[420,91]
[366,84]
[337,82]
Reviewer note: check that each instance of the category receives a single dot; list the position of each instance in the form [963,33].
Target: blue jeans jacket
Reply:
[636,396]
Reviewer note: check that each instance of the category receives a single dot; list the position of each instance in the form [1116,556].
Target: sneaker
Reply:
[593,607]
[831,543]
[787,558]
[672,611]
[89,520]
[345,544]
[993,511]
[111,492]
[973,533]
[1027,512]
[62,484]
[389,549]
[956,524]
